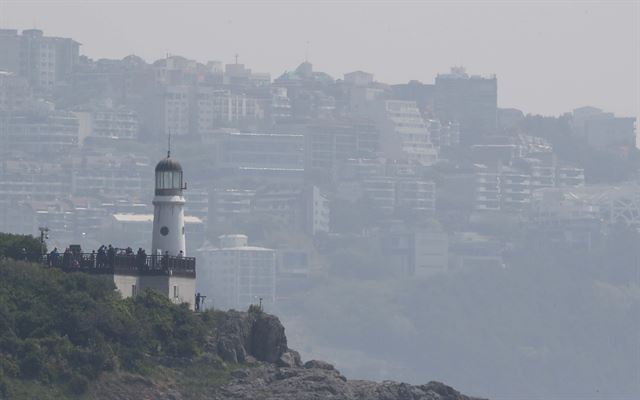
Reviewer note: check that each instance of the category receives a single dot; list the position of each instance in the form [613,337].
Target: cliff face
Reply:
[254,347]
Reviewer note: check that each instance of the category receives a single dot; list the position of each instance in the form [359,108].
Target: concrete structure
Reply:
[46,132]
[44,61]
[470,100]
[216,108]
[603,130]
[109,122]
[15,92]
[501,188]
[328,145]
[420,253]
[408,197]
[358,78]
[404,133]
[236,275]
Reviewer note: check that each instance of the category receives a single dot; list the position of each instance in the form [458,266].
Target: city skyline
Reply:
[604,42]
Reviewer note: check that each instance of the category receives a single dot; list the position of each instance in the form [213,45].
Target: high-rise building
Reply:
[43,60]
[470,100]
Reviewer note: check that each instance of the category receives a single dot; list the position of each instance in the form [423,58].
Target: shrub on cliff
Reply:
[67,328]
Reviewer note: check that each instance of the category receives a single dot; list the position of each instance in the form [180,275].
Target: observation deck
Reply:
[124,264]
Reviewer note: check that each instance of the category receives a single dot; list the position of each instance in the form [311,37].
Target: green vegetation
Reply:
[11,246]
[59,332]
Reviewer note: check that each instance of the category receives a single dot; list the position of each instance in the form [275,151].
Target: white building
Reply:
[109,122]
[236,275]
[404,132]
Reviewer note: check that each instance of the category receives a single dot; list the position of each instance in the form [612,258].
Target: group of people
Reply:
[105,257]
[70,258]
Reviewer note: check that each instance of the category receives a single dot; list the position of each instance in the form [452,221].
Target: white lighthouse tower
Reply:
[168,214]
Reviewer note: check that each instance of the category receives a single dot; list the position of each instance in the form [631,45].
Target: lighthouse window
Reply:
[176,181]
[168,180]
[164,231]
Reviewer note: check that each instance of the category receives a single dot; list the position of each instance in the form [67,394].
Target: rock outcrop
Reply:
[320,380]
[254,334]
[278,372]
[254,346]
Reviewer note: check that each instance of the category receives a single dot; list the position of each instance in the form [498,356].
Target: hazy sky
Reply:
[549,56]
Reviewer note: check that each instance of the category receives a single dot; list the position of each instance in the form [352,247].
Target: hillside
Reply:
[70,335]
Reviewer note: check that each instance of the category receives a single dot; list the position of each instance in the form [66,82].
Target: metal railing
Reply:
[120,263]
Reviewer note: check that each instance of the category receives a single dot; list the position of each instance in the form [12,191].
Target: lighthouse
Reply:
[168,213]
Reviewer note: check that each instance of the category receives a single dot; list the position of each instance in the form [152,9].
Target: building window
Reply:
[134,290]
[175,292]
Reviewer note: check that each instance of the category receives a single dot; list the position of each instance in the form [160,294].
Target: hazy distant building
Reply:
[443,135]
[43,60]
[358,78]
[228,204]
[261,150]
[15,92]
[415,252]
[604,130]
[306,209]
[423,94]
[404,133]
[236,275]
[109,122]
[510,189]
[48,132]
[214,108]
[471,100]
[280,106]
[260,157]
[328,144]
[26,181]
[407,197]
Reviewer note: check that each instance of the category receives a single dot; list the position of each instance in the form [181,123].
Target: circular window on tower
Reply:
[164,231]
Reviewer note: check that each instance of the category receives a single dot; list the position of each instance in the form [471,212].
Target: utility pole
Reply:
[44,234]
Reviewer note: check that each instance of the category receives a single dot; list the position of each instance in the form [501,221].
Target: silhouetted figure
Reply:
[141,258]
[66,258]
[111,256]
[53,257]
[165,260]
[198,299]
[101,258]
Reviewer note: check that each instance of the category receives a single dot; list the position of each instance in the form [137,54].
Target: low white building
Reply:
[236,275]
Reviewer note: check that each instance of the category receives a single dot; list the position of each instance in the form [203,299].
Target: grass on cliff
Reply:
[60,332]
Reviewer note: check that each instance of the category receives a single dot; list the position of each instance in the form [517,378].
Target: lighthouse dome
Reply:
[168,165]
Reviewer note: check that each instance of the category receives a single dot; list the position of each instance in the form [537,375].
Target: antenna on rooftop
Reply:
[306,52]
[236,58]
[169,147]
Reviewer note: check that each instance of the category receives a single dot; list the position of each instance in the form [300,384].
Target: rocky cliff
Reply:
[254,346]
